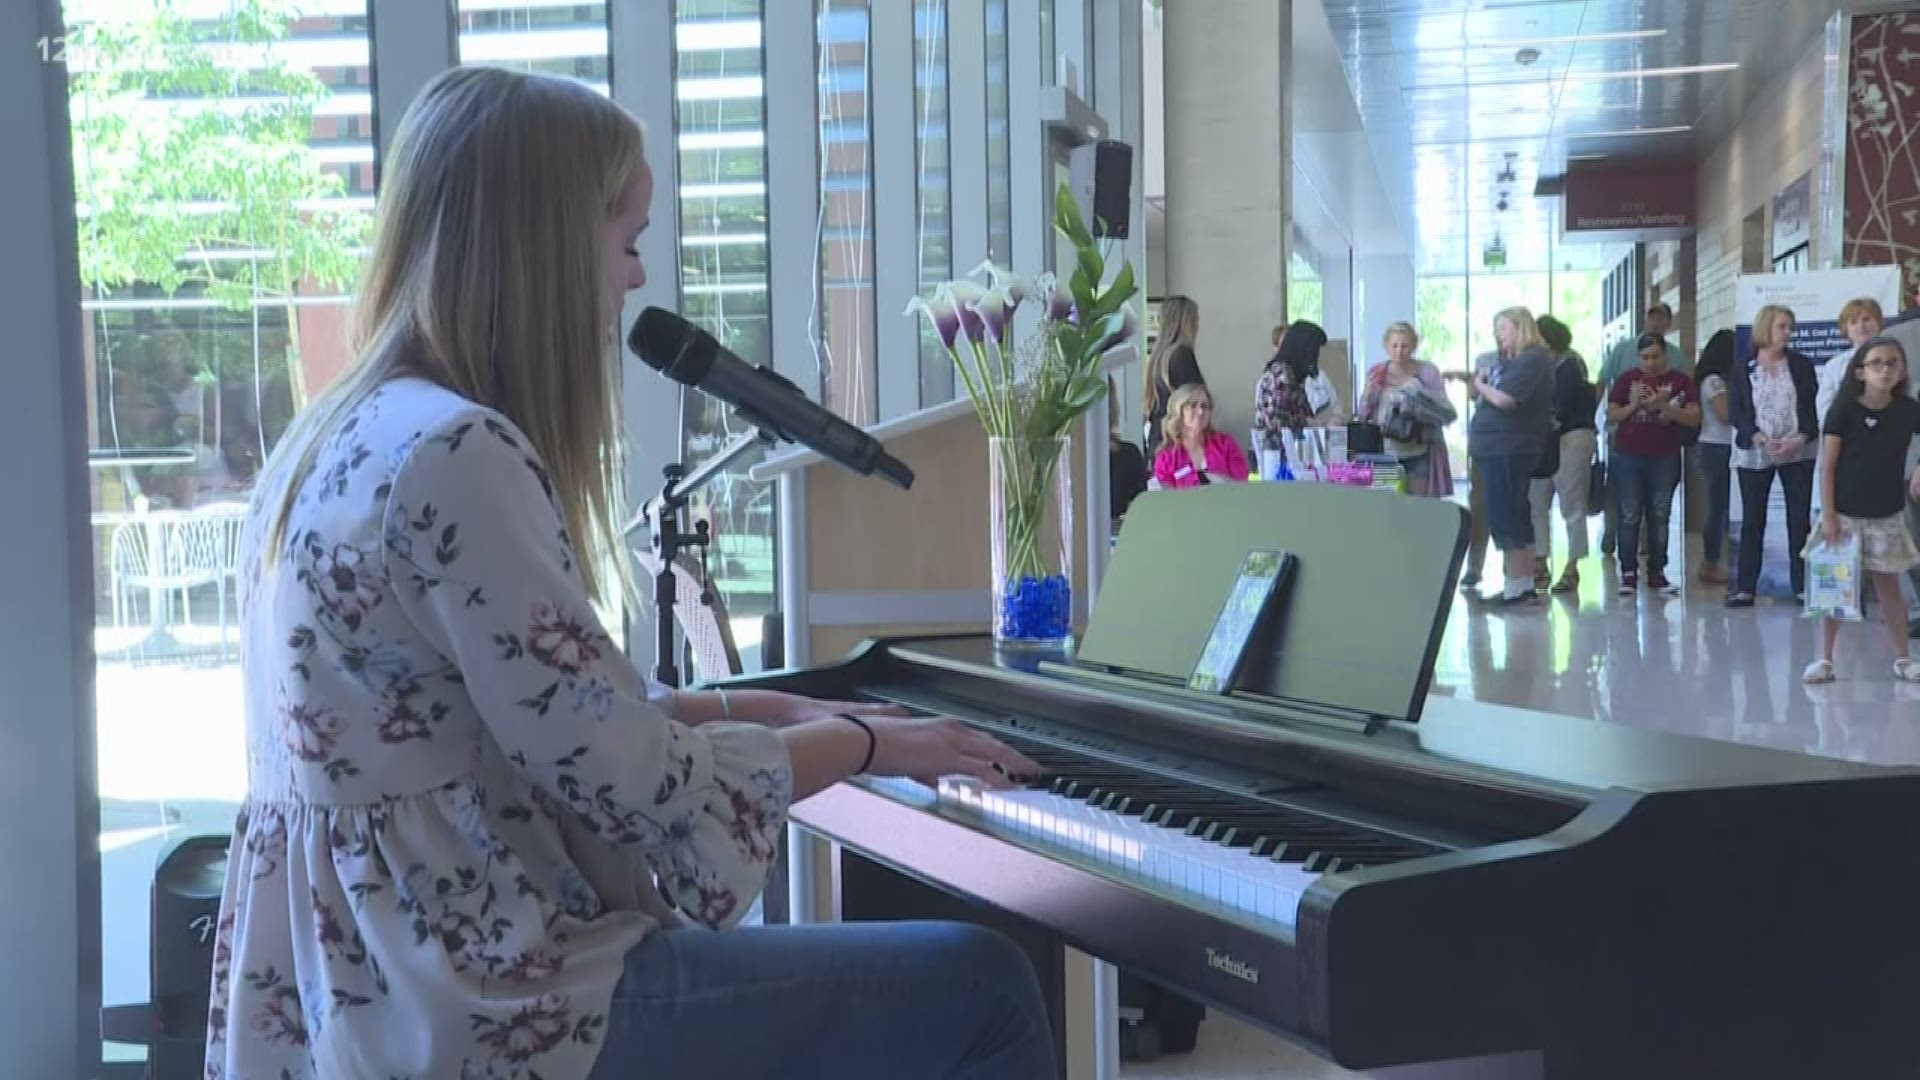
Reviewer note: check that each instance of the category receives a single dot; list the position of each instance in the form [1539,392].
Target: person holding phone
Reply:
[1650,408]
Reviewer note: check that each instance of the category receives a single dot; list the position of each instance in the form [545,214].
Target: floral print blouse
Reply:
[1776,415]
[461,795]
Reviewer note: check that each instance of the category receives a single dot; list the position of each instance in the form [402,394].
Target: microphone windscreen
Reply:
[661,339]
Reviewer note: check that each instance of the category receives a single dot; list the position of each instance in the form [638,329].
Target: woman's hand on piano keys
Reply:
[927,748]
[805,709]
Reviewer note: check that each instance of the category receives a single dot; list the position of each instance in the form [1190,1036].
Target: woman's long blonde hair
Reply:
[1172,429]
[1177,316]
[488,277]
[1522,320]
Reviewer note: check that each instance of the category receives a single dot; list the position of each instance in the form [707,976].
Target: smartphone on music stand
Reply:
[1263,576]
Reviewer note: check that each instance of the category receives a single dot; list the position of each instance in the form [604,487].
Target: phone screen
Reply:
[1260,577]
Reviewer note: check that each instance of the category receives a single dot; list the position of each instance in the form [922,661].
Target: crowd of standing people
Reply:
[1544,429]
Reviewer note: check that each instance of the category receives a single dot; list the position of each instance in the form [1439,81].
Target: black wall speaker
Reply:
[1101,175]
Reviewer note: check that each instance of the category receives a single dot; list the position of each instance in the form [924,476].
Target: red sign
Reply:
[1617,201]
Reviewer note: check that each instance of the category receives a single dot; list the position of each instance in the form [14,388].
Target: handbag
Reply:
[1596,486]
[1364,437]
[1833,579]
[1549,463]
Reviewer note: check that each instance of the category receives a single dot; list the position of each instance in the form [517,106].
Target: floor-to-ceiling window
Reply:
[845,311]
[999,139]
[1455,313]
[551,37]
[721,104]
[932,152]
[223,173]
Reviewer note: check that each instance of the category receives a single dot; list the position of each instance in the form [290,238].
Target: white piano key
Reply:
[1229,877]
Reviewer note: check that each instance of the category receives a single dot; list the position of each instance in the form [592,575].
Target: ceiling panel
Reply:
[1472,100]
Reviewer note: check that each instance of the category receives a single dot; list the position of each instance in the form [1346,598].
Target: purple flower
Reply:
[962,296]
[1059,300]
[941,314]
[996,311]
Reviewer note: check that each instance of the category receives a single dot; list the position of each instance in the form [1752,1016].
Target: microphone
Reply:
[689,355]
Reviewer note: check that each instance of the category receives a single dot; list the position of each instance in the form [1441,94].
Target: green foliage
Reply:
[179,158]
[1440,314]
[1028,396]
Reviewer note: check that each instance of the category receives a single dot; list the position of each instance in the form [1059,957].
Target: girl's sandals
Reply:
[1821,671]
[1906,670]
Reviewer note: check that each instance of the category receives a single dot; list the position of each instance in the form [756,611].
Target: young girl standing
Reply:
[1874,418]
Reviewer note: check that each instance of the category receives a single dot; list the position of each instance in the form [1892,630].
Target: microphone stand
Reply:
[666,514]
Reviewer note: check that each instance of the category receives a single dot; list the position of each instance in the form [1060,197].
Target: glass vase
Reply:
[1030,487]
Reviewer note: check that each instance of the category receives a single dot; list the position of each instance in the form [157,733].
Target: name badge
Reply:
[1183,472]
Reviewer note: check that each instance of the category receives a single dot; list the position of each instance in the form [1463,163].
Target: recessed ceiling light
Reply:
[1650,73]
[1676,130]
[1570,39]
[1586,157]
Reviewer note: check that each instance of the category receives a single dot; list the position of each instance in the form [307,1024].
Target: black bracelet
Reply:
[873,741]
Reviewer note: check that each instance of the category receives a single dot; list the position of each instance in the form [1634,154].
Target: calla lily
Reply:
[1059,300]
[1006,282]
[963,296]
[988,270]
[940,315]
[1015,288]
[996,311]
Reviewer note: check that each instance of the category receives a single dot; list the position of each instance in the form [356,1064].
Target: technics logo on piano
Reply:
[1239,969]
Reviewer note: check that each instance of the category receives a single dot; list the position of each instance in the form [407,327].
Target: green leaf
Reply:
[1106,332]
[1072,343]
[1123,288]
[1092,266]
[1067,219]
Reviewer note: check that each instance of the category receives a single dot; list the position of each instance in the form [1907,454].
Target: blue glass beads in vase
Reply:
[1031,529]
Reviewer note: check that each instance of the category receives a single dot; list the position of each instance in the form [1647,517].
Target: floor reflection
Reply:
[1684,664]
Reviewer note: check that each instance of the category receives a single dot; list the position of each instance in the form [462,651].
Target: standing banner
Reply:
[1815,297]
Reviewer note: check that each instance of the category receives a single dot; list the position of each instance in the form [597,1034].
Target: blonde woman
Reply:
[1195,452]
[1776,432]
[1506,435]
[1403,375]
[460,794]
[1171,365]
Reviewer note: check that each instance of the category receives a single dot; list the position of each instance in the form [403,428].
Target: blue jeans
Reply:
[846,1001]
[1646,488]
[1716,465]
[1508,480]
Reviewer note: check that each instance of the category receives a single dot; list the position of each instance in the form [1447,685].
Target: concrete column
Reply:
[1228,128]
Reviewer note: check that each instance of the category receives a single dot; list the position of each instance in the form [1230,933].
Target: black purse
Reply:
[1364,437]
[1549,463]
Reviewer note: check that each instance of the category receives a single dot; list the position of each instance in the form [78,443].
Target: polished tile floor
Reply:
[1685,664]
